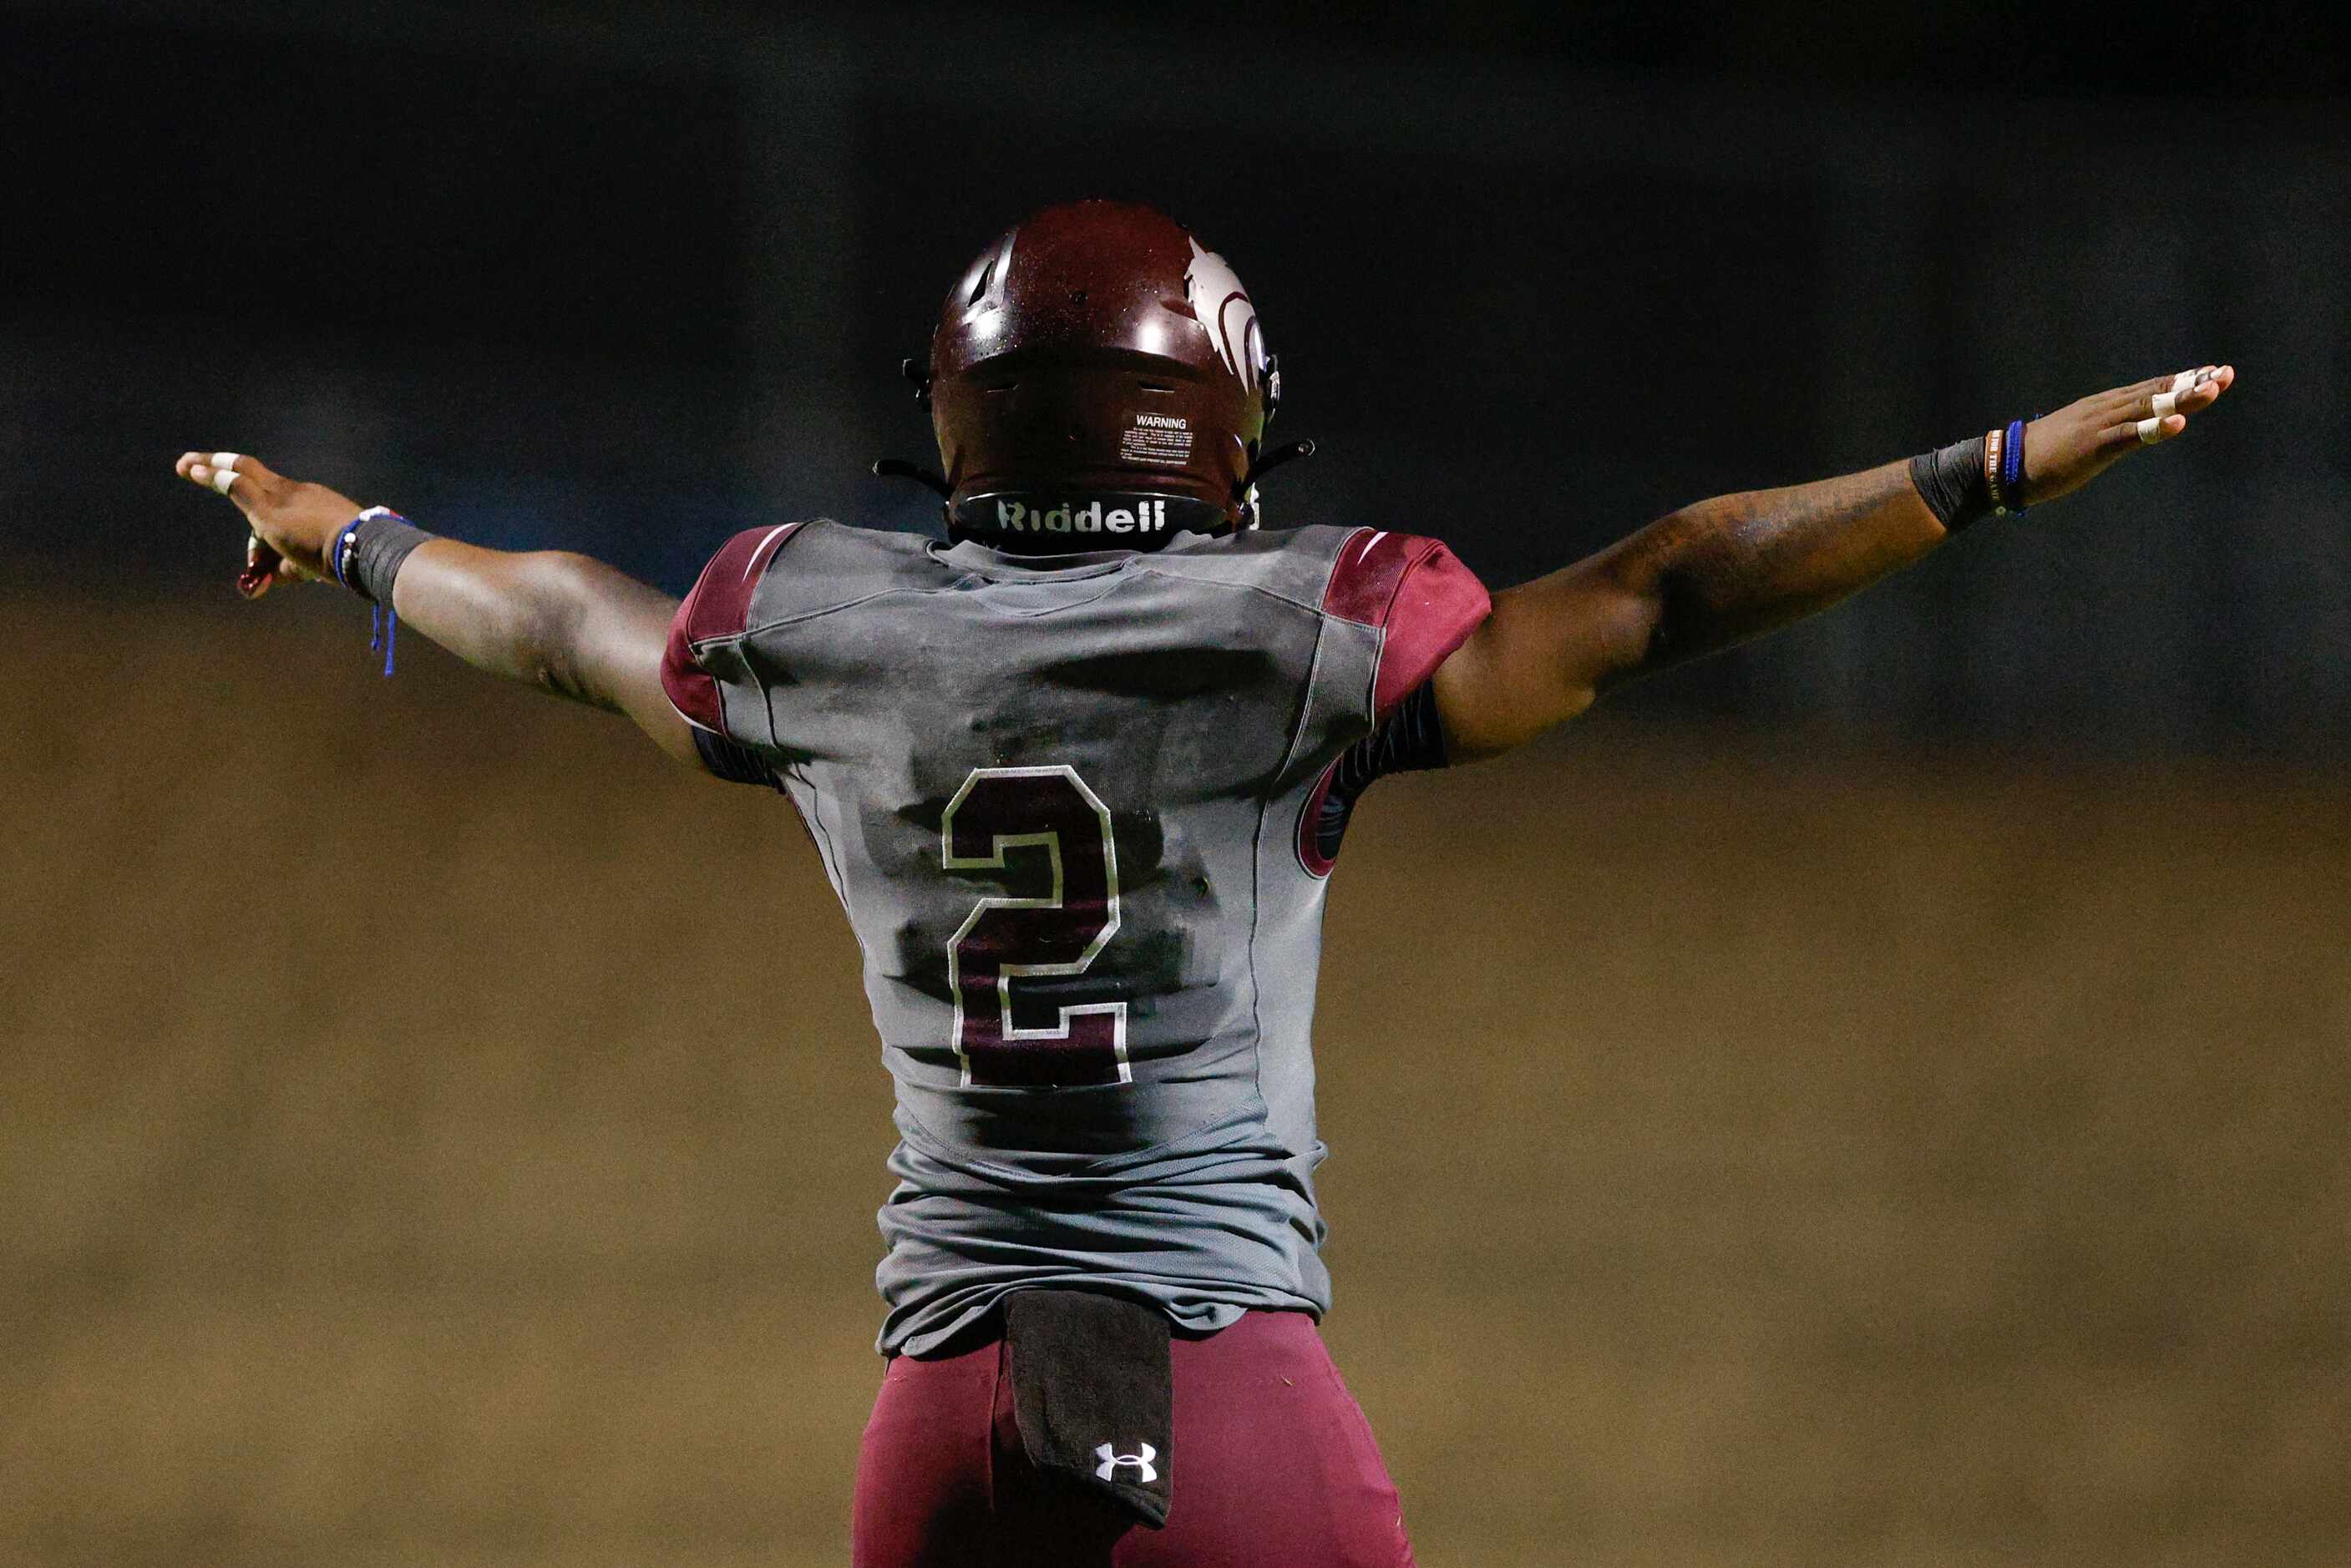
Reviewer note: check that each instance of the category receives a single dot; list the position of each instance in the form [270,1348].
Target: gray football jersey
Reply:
[1066,804]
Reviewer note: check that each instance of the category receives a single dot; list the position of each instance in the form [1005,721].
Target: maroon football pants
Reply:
[1272,1464]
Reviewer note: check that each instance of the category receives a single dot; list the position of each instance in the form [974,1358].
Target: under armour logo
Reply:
[1112,1458]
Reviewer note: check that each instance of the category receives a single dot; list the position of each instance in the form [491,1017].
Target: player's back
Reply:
[1062,800]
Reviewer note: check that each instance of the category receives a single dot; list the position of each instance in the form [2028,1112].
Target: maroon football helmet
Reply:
[1098,381]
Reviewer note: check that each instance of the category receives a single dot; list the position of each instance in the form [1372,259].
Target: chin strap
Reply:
[899,468]
[1245,492]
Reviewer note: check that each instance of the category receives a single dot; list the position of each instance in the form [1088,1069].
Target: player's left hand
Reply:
[293,522]
[2066,450]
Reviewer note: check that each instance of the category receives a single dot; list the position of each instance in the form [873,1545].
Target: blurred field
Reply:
[434,1131]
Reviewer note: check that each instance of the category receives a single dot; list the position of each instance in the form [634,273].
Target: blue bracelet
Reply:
[383,621]
[2011,467]
[340,551]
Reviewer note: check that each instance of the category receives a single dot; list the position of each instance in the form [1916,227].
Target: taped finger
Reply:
[2150,431]
[222,479]
[2165,402]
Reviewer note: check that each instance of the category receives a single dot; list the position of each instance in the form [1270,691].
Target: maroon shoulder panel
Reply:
[1414,589]
[718,608]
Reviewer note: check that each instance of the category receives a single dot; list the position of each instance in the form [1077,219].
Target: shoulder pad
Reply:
[1417,592]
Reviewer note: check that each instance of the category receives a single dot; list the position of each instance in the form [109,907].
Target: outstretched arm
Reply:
[558,621]
[1726,569]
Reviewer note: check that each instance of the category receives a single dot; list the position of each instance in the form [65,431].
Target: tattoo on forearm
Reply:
[1735,566]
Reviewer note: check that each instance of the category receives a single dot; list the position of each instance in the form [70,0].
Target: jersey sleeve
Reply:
[1425,602]
[706,670]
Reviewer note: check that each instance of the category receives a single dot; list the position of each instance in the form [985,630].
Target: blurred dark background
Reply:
[1873,1098]
[631,277]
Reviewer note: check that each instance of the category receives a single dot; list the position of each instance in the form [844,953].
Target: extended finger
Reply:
[2152,431]
[222,472]
[2136,400]
[2185,391]
[2136,394]
[215,470]
[2152,411]
[2191,392]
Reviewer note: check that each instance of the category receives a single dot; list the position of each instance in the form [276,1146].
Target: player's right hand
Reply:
[294,520]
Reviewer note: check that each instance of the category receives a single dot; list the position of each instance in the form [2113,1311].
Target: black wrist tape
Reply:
[380,546]
[1952,482]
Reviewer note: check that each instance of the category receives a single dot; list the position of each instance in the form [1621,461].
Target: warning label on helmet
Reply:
[1158,438]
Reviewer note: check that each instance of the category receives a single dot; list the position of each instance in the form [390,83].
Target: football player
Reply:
[1077,772]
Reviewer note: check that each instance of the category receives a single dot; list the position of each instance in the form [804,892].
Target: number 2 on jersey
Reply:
[1059,932]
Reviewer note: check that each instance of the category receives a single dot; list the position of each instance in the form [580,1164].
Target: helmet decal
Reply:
[982,286]
[1223,306]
